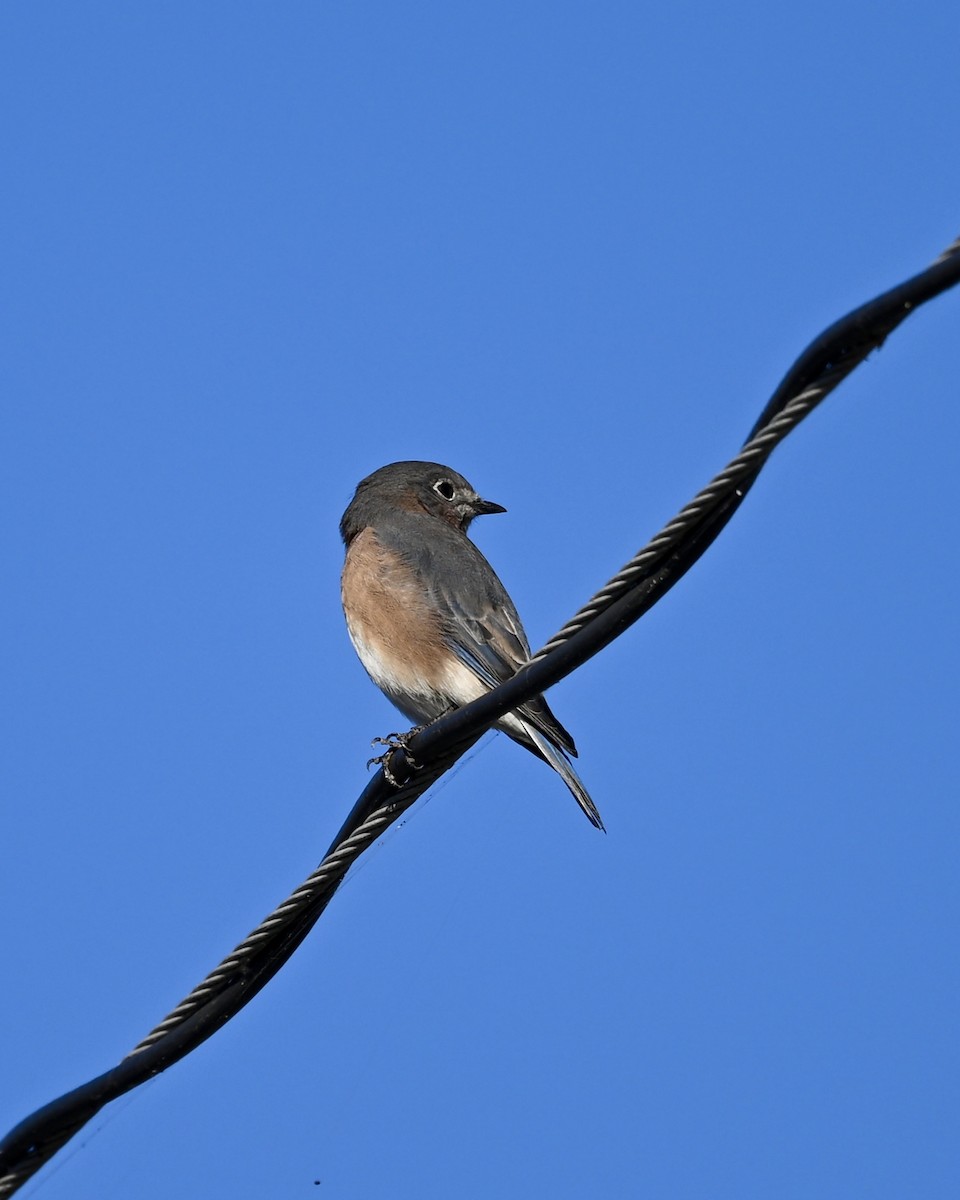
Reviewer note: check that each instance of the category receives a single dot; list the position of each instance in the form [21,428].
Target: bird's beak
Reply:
[484,508]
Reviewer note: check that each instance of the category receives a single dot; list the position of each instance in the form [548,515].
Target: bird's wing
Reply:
[482,627]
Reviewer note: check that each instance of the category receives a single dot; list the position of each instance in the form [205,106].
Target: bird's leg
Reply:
[394,741]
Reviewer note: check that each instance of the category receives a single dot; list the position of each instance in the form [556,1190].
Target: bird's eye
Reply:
[444,488]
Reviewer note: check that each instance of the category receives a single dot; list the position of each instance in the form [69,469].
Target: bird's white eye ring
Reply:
[444,488]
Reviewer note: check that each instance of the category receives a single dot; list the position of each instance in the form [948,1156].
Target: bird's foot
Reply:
[394,742]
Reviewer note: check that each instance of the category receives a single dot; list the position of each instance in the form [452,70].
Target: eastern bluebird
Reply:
[431,622]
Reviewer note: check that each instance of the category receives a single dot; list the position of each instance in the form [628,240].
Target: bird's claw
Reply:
[394,742]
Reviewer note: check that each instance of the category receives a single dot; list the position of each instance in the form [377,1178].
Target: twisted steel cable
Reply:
[746,466]
[300,904]
[628,595]
[322,881]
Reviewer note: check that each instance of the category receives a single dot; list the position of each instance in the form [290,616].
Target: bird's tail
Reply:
[558,760]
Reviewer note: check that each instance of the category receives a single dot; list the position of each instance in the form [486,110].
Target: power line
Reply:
[644,580]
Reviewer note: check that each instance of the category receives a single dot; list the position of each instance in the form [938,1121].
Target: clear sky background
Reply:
[253,252]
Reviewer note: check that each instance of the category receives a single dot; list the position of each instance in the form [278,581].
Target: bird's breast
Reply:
[397,632]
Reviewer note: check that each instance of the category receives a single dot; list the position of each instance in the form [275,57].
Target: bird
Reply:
[427,615]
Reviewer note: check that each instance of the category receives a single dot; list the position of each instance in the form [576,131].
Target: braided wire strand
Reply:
[331,870]
[950,251]
[747,463]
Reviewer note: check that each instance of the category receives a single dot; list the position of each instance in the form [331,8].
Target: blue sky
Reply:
[254,252]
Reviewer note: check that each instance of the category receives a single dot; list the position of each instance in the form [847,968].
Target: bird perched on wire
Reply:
[427,615]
